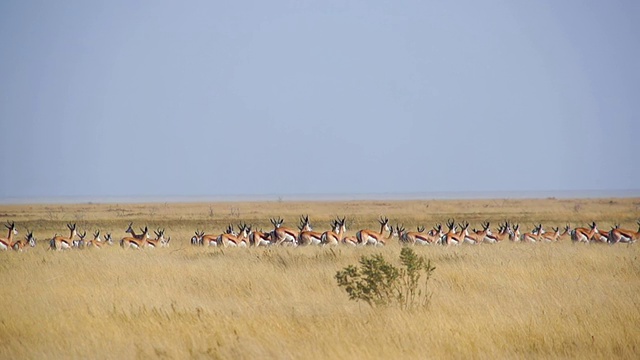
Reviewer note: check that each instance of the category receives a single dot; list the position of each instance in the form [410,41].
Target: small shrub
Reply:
[380,283]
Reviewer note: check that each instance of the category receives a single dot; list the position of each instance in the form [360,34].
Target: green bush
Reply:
[379,283]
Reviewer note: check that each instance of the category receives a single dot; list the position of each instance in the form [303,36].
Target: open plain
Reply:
[505,300]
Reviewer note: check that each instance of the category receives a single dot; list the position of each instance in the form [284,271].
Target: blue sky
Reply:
[163,98]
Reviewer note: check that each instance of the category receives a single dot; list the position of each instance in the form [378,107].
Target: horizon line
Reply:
[434,195]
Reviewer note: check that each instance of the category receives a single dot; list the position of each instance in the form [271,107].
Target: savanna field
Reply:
[505,300]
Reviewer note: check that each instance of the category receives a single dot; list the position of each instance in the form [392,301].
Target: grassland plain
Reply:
[506,300]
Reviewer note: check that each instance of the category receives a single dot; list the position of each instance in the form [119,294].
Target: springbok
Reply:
[158,241]
[205,240]
[601,237]
[504,231]
[134,235]
[307,236]
[333,236]
[420,237]
[489,236]
[209,240]
[478,236]
[584,234]
[134,243]
[534,235]
[565,232]
[259,238]
[61,242]
[7,243]
[98,243]
[227,239]
[551,237]
[514,234]
[434,235]
[197,238]
[407,237]
[350,240]
[79,244]
[400,231]
[21,245]
[283,235]
[624,236]
[370,237]
[96,239]
[451,237]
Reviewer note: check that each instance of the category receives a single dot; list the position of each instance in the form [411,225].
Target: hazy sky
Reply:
[163,98]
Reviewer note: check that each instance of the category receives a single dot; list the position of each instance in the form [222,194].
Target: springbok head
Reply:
[451,224]
[79,243]
[244,229]
[12,227]
[277,222]
[129,229]
[384,222]
[305,224]
[197,238]
[31,240]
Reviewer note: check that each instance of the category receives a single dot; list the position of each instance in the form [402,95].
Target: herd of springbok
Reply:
[455,234]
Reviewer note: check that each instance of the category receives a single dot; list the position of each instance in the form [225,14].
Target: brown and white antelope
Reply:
[565,232]
[551,237]
[197,238]
[504,231]
[79,244]
[98,243]
[624,236]
[21,245]
[241,239]
[283,235]
[307,236]
[370,237]
[159,241]
[64,243]
[514,233]
[209,240]
[451,237]
[534,235]
[601,237]
[479,236]
[333,236]
[135,243]
[205,240]
[584,234]
[134,235]
[400,232]
[7,243]
[420,237]
[350,240]
[96,239]
[259,238]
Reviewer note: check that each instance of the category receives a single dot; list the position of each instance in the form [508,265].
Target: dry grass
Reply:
[506,301]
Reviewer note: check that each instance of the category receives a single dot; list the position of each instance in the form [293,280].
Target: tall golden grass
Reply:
[507,300]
